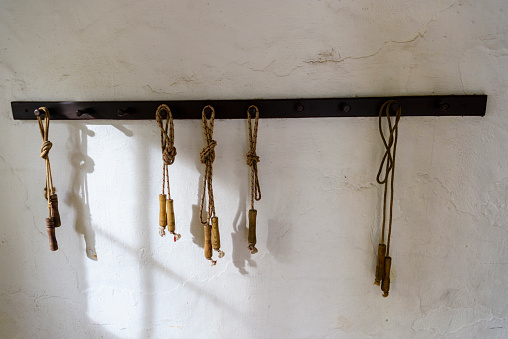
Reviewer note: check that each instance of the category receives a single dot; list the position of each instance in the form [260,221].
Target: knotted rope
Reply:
[252,157]
[49,191]
[45,148]
[252,162]
[168,158]
[207,156]
[388,163]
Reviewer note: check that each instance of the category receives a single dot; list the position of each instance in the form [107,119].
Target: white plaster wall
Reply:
[318,221]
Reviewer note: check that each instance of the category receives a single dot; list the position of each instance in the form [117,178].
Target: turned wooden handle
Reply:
[162,210]
[54,206]
[380,267]
[50,226]
[208,242]
[252,227]
[170,213]
[215,233]
[386,280]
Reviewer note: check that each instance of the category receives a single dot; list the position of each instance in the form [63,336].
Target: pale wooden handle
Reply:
[386,280]
[50,226]
[252,227]
[162,210]
[208,242]
[380,267]
[53,198]
[170,215]
[215,233]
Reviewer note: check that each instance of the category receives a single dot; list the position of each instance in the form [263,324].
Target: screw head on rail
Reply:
[122,112]
[346,108]
[444,106]
[299,108]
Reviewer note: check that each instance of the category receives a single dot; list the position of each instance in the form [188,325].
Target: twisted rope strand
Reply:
[168,152]
[49,191]
[252,157]
[252,161]
[45,148]
[389,158]
[207,157]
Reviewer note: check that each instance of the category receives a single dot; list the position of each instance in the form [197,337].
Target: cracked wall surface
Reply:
[319,218]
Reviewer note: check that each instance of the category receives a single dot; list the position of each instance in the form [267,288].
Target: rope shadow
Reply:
[78,196]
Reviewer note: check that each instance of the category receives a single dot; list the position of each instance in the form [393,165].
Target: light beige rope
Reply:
[388,163]
[207,156]
[45,148]
[168,155]
[49,191]
[252,161]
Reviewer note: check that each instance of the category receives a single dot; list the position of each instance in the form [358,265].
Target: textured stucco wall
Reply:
[318,221]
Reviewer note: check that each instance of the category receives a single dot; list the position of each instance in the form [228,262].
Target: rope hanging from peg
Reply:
[252,162]
[49,191]
[211,223]
[384,261]
[166,211]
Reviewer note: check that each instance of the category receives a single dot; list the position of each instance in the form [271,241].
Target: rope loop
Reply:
[388,163]
[388,142]
[207,156]
[167,142]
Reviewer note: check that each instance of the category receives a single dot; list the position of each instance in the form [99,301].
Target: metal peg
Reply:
[88,111]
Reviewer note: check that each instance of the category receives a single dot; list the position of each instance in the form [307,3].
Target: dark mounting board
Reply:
[440,105]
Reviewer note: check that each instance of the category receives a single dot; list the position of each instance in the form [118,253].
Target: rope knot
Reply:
[46,146]
[168,155]
[252,158]
[208,153]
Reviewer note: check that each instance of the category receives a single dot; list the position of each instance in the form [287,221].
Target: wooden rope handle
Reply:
[252,231]
[385,287]
[380,267]
[208,242]
[50,226]
[215,234]
[162,211]
[170,214]
[53,198]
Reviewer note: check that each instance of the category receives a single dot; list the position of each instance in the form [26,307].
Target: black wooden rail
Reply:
[441,105]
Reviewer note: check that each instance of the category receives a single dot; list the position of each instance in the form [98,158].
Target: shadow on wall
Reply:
[78,199]
[196,227]
[241,254]
[78,196]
